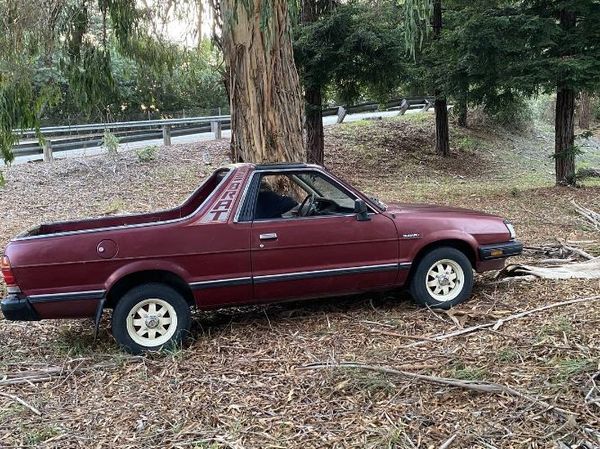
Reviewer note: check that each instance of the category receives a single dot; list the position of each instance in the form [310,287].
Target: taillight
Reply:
[7,274]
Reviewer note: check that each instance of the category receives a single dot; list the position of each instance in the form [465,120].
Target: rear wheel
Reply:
[150,317]
[442,279]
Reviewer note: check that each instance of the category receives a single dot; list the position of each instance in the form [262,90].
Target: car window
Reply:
[300,195]
[326,189]
[278,196]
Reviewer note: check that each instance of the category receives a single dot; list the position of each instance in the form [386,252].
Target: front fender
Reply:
[444,235]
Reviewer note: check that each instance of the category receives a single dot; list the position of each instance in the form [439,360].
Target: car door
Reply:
[312,256]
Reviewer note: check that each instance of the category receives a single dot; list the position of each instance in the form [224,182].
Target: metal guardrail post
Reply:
[47,148]
[341,115]
[166,130]
[403,107]
[216,128]
[428,105]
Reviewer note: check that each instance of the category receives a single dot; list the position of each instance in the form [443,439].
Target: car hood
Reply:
[404,208]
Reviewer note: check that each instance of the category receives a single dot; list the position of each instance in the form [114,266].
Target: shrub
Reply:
[512,113]
[543,107]
[146,154]
[110,142]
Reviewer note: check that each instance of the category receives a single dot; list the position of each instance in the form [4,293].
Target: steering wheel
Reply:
[310,200]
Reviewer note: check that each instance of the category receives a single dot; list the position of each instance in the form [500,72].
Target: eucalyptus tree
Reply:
[264,88]
[44,41]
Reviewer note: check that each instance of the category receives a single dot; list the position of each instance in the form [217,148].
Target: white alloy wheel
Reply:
[445,280]
[152,322]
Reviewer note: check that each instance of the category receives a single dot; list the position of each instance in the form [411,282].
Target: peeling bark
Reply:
[264,88]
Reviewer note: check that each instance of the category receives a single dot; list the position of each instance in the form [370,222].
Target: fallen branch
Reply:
[22,402]
[495,325]
[478,386]
[590,215]
[561,251]
[589,269]
[588,173]
[449,441]
[48,374]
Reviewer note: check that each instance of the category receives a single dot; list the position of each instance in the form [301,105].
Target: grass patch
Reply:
[35,437]
[557,327]
[469,143]
[507,355]
[369,382]
[391,439]
[463,372]
[568,368]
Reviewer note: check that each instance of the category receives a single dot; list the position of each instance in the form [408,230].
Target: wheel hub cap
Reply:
[152,322]
[445,280]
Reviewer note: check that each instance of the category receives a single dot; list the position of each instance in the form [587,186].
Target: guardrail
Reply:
[65,138]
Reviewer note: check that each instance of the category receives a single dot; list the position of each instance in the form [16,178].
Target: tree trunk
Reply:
[564,125]
[462,102]
[313,94]
[442,134]
[564,136]
[315,142]
[585,110]
[264,88]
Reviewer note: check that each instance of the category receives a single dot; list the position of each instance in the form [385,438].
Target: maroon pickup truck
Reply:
[249,234]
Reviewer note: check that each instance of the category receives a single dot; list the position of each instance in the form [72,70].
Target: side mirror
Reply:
[361,210]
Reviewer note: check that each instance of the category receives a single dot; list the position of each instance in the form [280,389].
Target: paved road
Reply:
[329,120]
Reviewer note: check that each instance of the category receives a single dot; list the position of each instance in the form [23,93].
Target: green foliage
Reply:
[354,50]
[110,142]
[543,108]
[514,113]
[417,16]
[82,61]
[568,153]
[2,179]
[146,154]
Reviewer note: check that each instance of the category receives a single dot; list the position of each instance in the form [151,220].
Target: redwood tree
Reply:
[442,133]
[419,14]
[264,88]
[348,50]
[569,64]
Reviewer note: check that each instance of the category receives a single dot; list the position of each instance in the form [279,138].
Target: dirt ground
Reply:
[241,382]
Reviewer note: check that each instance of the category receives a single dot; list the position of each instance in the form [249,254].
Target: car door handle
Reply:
[269,236]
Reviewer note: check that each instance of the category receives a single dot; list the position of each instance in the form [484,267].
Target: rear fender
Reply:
[146,265]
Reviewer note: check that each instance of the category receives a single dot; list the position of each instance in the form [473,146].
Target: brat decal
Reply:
[221,209]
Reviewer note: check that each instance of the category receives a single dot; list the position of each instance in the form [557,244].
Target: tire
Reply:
[432,283]
[151,317]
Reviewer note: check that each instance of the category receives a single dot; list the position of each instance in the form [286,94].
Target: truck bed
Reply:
[193,202]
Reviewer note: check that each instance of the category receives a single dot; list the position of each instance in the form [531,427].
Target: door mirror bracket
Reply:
[361,210]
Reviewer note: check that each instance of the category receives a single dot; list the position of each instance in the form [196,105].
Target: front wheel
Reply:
[442,279]
[150,317]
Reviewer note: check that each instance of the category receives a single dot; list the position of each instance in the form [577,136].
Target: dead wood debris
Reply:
[478,386]
[236,386]
[495,325]
[591,216]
